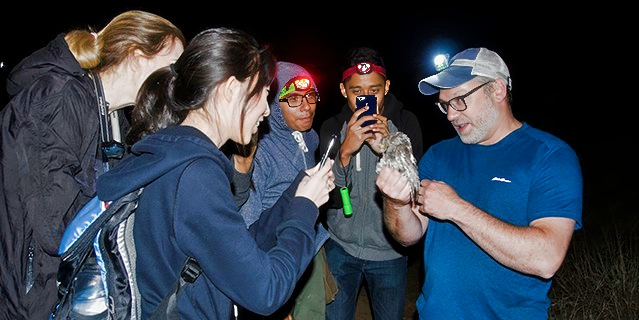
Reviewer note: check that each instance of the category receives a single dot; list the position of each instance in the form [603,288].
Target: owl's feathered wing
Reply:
[398,154]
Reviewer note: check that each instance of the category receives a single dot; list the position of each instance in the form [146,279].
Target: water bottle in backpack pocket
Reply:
[94,242]
[97,276]
[89,299]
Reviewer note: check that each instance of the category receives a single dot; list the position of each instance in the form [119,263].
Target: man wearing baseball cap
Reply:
[498,203]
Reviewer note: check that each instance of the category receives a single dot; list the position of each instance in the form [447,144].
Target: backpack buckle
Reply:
[191,270]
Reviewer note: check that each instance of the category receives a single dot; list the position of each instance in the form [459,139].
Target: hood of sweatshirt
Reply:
[155,155]
[278,136]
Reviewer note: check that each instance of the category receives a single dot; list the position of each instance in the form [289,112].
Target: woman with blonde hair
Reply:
[60,130]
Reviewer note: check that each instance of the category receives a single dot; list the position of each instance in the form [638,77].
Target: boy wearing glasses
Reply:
[286,146]
[359,249]
[498,204]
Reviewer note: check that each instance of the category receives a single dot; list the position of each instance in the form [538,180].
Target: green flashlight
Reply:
[346,201]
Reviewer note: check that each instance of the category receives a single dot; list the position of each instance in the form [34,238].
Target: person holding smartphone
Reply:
[216,92]
[285,146]
[358,248]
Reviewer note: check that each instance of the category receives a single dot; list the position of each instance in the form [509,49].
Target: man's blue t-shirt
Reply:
[526,176]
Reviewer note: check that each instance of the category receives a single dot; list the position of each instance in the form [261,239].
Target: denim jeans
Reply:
[385,281]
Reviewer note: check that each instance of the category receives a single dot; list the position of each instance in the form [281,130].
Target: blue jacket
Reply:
[187,209]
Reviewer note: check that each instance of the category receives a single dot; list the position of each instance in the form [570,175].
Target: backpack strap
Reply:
[168,307]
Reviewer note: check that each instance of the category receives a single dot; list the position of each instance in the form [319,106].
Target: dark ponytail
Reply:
[154,109]
[210,58]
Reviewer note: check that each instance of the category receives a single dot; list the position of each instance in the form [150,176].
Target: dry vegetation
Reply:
[600,276]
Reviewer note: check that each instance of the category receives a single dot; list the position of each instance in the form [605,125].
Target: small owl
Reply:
[398,154]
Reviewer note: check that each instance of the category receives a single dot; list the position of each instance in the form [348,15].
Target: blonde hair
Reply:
[129,31]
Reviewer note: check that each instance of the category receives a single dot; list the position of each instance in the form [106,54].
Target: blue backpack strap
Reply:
[82,221]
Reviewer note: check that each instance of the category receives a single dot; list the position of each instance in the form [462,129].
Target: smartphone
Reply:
[331,146]
[369,100]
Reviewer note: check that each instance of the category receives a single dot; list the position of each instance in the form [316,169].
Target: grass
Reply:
[600,275]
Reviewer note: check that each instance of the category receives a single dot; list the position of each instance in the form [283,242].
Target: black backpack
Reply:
[97,277]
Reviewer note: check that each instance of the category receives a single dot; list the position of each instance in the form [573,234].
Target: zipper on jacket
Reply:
[29,275]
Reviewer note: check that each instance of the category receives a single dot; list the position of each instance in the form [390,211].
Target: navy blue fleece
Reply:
[187,209]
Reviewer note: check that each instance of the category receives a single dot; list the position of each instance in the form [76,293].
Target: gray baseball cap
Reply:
[463,67]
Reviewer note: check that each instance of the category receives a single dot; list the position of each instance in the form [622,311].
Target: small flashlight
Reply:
[346,201]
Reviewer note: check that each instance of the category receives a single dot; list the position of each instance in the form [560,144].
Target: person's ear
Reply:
[342,89]
[500,89]
[387,87]
[229,89]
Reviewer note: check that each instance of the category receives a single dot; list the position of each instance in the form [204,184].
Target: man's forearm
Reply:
[404,222]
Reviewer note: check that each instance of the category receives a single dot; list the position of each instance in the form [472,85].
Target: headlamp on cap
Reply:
[441,62]
[463,67]
[363,68]
[300,83]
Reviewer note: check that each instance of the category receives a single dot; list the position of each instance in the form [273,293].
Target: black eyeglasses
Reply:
[295,101]
[458,103]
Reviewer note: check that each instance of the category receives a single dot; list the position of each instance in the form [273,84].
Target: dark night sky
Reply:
[552,55]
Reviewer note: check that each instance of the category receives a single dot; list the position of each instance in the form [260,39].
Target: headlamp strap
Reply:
[363,68]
